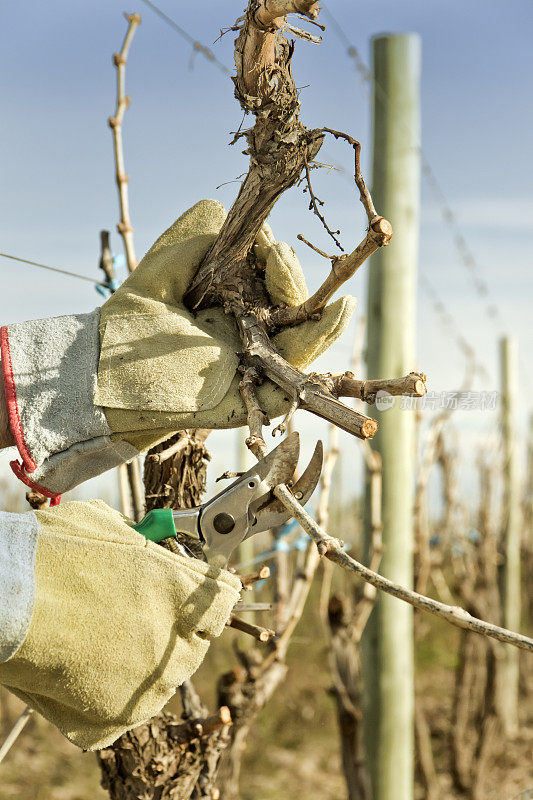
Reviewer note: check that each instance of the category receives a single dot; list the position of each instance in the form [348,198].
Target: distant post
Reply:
[528,505]
[510,584]
[390,350]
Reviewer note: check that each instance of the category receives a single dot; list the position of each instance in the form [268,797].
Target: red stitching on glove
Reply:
[18,469]
[11,402]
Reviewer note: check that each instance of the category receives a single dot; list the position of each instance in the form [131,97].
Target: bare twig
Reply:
[378,235]
[256,416]
[259,633]
[172,450]
[314,205]
[342,269]
[106,263]
[271,13]
[115,123]
[287,419]
[129,475]
[249,580]
[296,604]
[311,390]
[364,194]
[425,754]
[280,149]
[125,229]
[346,385]
[332,549]
[202,726]
[312,21]
[309,37]
[133,468]
[36,500]
[347,618]
[15,732]
[184,439]
[227,475]
[314,247]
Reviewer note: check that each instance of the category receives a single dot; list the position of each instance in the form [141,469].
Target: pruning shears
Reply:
[243,509]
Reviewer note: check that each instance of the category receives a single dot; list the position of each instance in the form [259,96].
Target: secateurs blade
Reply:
[243,509]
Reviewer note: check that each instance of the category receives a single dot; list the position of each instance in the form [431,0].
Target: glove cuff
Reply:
[18,546]
[49,370]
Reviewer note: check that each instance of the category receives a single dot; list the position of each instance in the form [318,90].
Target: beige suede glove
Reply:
[117,622]
[163,368]
[87,392]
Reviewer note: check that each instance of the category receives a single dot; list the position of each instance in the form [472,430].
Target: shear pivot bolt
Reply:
[223,523]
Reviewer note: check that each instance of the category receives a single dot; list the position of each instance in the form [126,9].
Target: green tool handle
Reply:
[157,525]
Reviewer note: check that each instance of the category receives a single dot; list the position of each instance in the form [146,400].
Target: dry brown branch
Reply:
[106,263]
[304,578]
[347,618]
[165,758]
[320,252]
[227,475]
[478,681]
[182,441]
[282,581]
[129,475]
[245,690]
[424,752]
[270,13]
[314,205]
[311,391]
[346,385]
[36,500]
[195,728]
[332,549]
[249,580]
[280,149]
[342,269]
[177,481]
[344,657]
[423,564]
[125,229]
[177,446]
[115,123]
[256,416]
[256,631]
[133,469]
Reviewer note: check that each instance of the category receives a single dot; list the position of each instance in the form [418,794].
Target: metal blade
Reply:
[226,519]
[279,465]
[274,512]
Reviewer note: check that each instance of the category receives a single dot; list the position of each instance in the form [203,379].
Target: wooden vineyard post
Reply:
[510,584]
[388,641]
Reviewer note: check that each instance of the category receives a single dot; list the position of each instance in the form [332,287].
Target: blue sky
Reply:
[57,167]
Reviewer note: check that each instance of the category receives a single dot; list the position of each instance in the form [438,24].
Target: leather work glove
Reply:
[87,392]
[98,626]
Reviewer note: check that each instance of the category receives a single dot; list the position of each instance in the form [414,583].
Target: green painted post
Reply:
[511,531]
[390,351]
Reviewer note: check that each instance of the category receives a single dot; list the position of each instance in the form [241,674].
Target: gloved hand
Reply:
[88,392]
[98,626]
